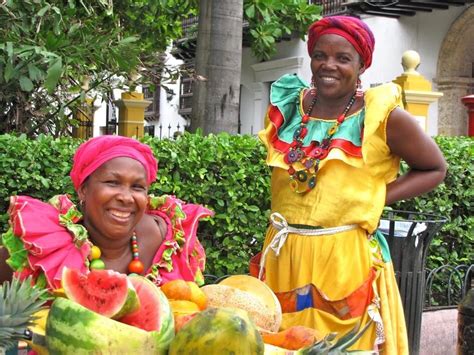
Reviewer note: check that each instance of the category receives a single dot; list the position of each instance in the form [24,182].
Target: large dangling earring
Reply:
[359,91]
[313,87]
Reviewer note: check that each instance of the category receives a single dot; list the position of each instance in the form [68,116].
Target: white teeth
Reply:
[328,79]
[120,214]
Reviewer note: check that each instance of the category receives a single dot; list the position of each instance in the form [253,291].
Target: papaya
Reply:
[217,331]
[181,319]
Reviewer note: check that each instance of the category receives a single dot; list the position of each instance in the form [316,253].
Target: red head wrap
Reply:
[96,151]
[351,28]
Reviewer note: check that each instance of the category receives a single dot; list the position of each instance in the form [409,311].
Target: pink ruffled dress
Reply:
[45,237]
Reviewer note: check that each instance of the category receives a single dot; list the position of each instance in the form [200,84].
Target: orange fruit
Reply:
[176,290]
[182,307]
[186,291]
[197,295]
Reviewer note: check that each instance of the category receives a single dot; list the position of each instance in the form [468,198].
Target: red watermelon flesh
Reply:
[106,292]
[154,313]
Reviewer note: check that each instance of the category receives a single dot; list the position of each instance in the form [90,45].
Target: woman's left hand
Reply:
[407,140]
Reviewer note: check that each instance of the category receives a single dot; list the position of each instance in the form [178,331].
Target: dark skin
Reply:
[5,271]
[114,202]
[336,66]
[115,199]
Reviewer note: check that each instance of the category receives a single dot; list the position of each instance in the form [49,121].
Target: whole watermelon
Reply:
[218,331]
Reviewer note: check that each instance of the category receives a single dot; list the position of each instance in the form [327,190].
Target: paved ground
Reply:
[439,332]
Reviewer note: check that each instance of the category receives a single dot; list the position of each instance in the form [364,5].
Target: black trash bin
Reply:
[409,235]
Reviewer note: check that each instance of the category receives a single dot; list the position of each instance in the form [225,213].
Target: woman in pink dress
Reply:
[117,225]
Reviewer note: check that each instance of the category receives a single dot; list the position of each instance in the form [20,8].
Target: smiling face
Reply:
[335,65]
[115,198]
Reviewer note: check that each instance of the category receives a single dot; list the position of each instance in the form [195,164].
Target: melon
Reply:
[106,292]
[263,292]
[248,294]
[74,329]
[218,331]
[154,313]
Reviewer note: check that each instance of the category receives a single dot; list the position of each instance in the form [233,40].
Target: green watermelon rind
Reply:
[74,329]
[130,304]
[165,334]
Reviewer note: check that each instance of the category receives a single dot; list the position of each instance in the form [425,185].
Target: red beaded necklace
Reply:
[311,159]
[134,267]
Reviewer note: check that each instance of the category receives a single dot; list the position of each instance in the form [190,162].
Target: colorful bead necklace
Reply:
[134,267]
[310,159]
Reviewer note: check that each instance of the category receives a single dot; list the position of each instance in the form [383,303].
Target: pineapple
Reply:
[18,302]
[328,346]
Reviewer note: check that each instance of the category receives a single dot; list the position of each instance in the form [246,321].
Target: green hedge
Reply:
[453,199]
[227,174]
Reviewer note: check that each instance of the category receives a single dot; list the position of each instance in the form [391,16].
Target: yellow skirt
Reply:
[332,282]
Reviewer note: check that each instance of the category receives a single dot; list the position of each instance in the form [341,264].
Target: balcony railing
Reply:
[186,48]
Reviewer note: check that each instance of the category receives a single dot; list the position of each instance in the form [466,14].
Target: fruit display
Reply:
[258,302]
[154,313]
[186,299]
[293,338]
[102,311]
[19,307]
[106,292]
[98,317]
[185,291]
[264,293]
[218,331]
[73,329]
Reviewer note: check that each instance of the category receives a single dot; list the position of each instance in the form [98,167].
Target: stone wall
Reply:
[455,75]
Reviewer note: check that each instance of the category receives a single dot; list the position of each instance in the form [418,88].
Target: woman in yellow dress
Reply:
[335,154]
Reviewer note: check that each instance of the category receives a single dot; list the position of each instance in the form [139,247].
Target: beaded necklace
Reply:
[311,159]
[134,267]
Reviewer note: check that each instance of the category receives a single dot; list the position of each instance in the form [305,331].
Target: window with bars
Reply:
[152,112]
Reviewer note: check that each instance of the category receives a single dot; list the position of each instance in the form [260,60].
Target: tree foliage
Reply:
[50,49]
[271,20]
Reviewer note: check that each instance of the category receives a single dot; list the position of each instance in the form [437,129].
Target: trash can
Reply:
[409,235]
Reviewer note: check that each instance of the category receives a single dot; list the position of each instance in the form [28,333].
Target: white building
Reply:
[444,40]
[442,32]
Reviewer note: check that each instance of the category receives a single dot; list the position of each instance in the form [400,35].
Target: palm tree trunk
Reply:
[216,95]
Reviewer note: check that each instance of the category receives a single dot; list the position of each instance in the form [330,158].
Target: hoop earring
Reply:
[313,87]
[81,205]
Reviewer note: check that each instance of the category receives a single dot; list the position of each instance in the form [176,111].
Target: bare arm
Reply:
[5,271]
[427,165]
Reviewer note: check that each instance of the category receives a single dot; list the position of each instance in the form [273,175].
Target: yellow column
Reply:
[131,114]
[85,116]
[417,91]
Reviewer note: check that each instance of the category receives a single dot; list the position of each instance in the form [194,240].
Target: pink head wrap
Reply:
[351,28]
[96,151]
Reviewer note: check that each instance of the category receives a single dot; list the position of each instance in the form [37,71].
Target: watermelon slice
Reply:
[106,292]
[154,314]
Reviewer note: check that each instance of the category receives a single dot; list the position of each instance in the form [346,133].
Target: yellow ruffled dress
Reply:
[332,282]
